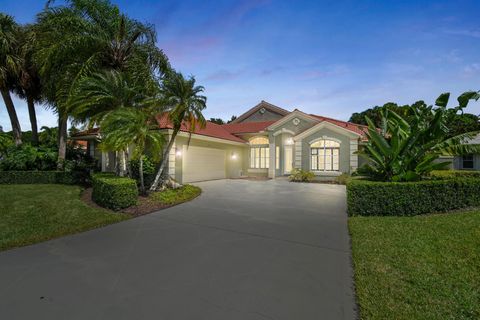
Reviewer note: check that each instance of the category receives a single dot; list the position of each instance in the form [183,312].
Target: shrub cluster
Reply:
[371,198]
[299,175]
[114,192]
[450,174]
[36,177]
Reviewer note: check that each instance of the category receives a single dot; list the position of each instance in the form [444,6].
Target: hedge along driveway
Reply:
[371,198]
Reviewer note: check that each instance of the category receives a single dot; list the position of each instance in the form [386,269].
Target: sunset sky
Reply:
[326,57]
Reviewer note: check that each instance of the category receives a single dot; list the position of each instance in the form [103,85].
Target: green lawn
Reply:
[423,267]
[34,213]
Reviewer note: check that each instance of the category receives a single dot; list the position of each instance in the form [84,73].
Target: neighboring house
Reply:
[264,141]
[468,162]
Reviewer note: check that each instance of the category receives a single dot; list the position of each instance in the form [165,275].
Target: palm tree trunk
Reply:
[62,141]
[33,120]
[142,183]
[164,162]
[17,131]
[121,162]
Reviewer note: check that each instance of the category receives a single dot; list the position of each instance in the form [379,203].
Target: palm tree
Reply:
[406,148]
[9,62]
[28,85]
[134,127]
[96,96]
[87,36]
[182,98]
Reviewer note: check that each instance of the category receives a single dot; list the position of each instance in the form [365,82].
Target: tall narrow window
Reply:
[277,157]
[324,155]
[467,161]
[259,153]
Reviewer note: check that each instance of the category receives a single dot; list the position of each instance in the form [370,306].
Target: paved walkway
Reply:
[242,250]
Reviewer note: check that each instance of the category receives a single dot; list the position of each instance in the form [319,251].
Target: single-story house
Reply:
[467,162]
[266,141]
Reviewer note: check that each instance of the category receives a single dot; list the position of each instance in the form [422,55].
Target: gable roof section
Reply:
[357,128]
[294,114]
[262,104]
[211,129]
[247,127]
[328,125]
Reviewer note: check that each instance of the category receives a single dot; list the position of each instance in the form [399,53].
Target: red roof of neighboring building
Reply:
[247,127]
[211,129]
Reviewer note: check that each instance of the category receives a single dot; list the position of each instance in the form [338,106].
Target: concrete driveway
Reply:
[242,250]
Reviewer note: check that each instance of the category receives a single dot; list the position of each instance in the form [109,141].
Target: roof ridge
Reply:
[352,123]
[277,109]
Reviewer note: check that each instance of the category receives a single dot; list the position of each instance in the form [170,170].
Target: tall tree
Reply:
[134,127]
[28,85]
[86,36]
[9,65]
[185,104]
[458,122]
[100,94]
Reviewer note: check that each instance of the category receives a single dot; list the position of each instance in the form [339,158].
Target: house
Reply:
[266,141]
[467,162]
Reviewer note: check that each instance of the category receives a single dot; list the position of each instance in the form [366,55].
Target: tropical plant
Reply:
[9,65]
[100,94]
[28,157]
[87,36]
[132,127]
[6,142]
[459,122]
[299,175]
[406,150]
[48,137]
[28,85]
[185,105]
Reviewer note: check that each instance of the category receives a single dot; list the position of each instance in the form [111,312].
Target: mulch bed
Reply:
[144,204]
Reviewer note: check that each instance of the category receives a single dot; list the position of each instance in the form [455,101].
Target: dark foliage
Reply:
[373,198]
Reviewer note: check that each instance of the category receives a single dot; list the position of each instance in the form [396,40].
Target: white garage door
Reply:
[200,164]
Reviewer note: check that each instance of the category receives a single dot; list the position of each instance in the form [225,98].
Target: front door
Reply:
[288,159]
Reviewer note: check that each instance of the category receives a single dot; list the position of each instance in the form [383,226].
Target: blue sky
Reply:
[325,57]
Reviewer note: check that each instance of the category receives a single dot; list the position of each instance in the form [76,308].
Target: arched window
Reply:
[324,155]
[259,153]
[259,140]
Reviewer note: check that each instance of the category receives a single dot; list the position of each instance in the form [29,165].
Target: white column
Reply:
[171,161]
[92,148]
[104,161]
[271,163]
[353,156]
[298,154]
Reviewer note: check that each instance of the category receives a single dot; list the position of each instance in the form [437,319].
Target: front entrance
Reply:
[288,159]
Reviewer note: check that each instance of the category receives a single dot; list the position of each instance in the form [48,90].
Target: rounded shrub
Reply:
[114,192]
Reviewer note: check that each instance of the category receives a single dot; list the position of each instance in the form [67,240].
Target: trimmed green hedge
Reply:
[450,174]
[114,192]
[371,198]
[36,177]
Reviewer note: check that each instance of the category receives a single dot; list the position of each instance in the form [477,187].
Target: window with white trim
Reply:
[324,155]
[259,153]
